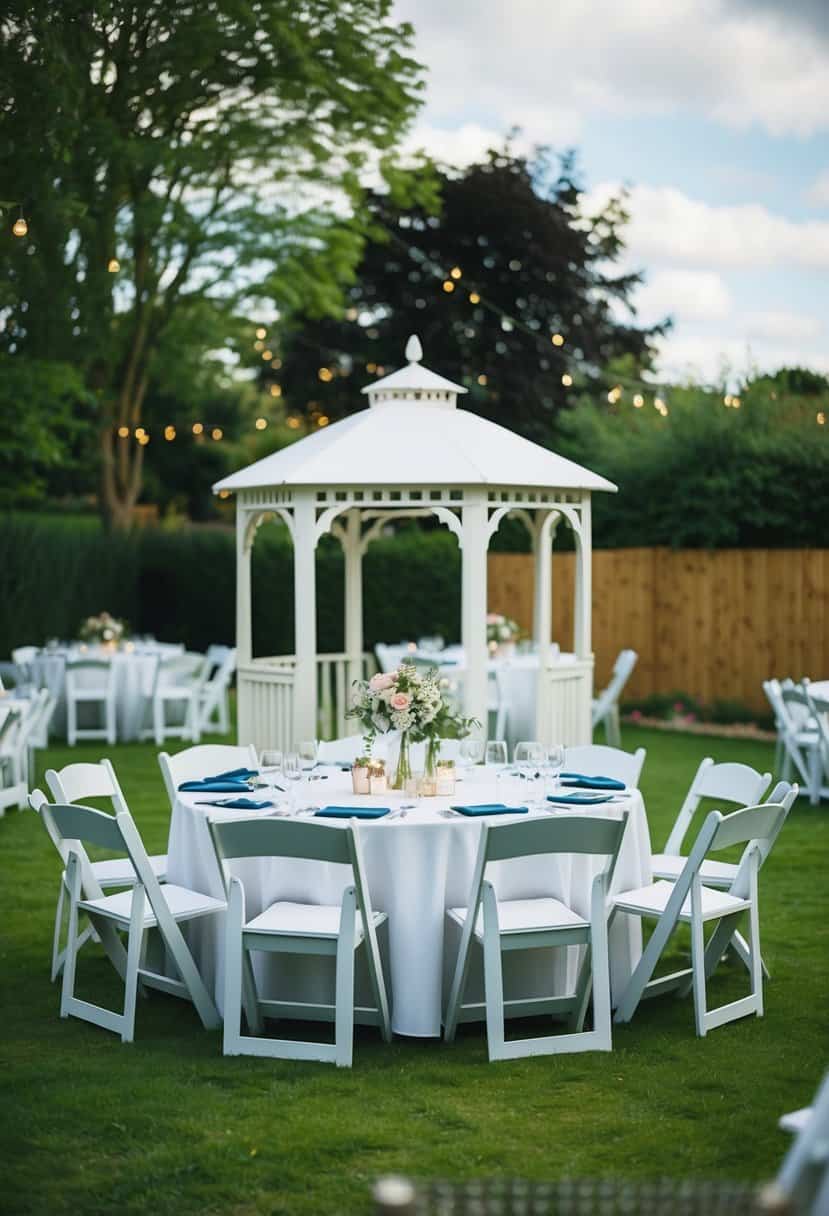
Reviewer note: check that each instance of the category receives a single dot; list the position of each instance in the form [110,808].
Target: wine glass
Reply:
[496,754]
[471,752]
[270,761]
[308,753]
[554,763]
[292,772]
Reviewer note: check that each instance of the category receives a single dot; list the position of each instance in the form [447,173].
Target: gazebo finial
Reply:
[414,351]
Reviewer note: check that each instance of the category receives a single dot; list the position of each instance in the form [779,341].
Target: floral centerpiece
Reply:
[102,628]
[413,703]
[501,631]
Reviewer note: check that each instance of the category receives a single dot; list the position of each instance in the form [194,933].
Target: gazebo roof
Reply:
[413,435]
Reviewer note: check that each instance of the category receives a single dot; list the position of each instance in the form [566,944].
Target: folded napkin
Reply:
[238,804]
[578,799]
[591,783]
[233,782]
[353,812]
[491,808]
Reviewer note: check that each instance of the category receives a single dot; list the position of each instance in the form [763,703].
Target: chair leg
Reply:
[698,974]
[158,721]
[344,1012]
[134,951]
[57,953]
[493,976]
[67,991]
[613,731]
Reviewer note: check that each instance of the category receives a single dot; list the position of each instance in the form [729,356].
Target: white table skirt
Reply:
[417,867]
[134,671]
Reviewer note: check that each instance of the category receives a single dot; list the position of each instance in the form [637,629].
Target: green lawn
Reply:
[90,1126]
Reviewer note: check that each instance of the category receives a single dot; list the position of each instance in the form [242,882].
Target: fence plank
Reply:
[712,624]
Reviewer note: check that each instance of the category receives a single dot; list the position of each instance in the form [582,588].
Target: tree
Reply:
[180,157]
[509,287]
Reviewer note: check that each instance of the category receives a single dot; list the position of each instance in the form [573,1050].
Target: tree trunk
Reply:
[120,486]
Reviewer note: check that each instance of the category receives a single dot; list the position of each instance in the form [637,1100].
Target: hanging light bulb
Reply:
[567,380]
[474,298]
[261,423]
[198,428]
[216,433]
[20,227]
[639,401]
[169,433]
[123,432]
[448,285]
[455,272]
[557,340]
[261,333]
[113,265]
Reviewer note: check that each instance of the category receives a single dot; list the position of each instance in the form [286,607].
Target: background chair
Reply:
[596,760]
[606,704]
[205,760]
[522,924]
[214,699]
[690,902]
[177,687]
[23,658]
[801,739]
[90,682]
[819,754]
[13,783]
[337,930]
[147,905]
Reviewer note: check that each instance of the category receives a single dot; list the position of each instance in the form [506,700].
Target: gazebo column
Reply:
[474,602]
[583,639]
[543,534]
[353,552]
[305,617]
[244,546]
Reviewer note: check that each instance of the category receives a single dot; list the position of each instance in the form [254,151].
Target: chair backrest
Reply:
[390,657]
[216,654]
[595,759]
[76,782]
[626,660]
[219,679]
[203,760]
[819,710]
[795,704]
[181,669]
[803,1177]
[40,803]
[10,732]
[90,675]
[24,655]
[727,782]
[774,697]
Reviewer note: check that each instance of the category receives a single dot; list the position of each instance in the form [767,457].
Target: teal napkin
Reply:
[237,804]
[591,783]
[491,808]
[214,786]
[578,799]
[352,812]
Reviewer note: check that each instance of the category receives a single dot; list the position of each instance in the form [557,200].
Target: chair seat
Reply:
[526,916]
[305,920]
[718,873]
[652,900]
[183,903]
[118,871]
[175,692]
[89,694]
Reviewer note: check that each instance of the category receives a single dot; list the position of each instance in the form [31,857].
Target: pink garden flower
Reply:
[383,680]
[400,700]
[494,618]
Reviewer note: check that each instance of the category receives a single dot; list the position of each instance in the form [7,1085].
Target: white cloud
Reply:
[546,65]
[460,146]
[666,225]
[818,192]
[684,295]
[782,326]
[709,359]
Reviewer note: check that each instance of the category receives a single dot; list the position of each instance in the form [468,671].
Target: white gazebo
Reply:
[413,452]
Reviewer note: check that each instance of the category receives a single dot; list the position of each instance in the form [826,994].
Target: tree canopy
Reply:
[510,285]
[178,160]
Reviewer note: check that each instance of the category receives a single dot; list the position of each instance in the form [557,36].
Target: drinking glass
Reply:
[270,764]
[308,753]
[496,754]
[292,772]
[471,752]
[554,764]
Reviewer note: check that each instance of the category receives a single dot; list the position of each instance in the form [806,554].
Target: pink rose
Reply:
[493,618]
[383,679]
[400,700]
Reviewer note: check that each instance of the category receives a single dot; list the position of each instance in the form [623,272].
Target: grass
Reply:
[90,1126]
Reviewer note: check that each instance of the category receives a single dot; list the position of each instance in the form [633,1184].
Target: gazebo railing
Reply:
[565,693]
[266,697]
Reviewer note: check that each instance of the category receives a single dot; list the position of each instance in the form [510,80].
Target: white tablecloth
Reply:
[417,867]
[134,671]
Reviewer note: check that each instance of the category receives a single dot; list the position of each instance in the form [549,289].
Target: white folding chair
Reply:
[35,727]
[75,783]
[23,658]
[689,901]
[90,682]
[178,684]
[819,757]
[204,760]
[801,739]
[144,906]
[13,782]
[214,704]
[606,705]
[802,1183]
[389,658]
[596,760]
[531,924]
[286,926]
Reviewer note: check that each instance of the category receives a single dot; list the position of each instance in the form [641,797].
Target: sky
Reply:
[715,116]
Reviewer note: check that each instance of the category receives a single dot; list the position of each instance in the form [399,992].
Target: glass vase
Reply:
[404,764]
[428,783]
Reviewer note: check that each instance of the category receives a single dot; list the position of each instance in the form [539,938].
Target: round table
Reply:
[416,867]
[134,673]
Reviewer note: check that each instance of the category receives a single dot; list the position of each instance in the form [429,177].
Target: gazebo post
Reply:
[583,640]
[244,545]
[473,603]
[305,617]
[543,607]
[353,633]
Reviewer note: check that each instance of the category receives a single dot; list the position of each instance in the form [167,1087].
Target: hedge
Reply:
[180,585]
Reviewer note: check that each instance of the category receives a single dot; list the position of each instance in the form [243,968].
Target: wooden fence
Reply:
[713,624]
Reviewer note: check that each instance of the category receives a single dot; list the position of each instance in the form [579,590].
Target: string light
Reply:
[113,265]
[139,431]
[198,428]
[261,332]
[224,493]
[323,420]
[557,340]
[639,401]
[821,418]
[216,433]
[325,374]
[20,227]
[293,422]
[169,433]
[567,380]
[259,344]
[614,394]
[276,364]
[474,298]
[144,439]
[276,390]
[123,432]
[371,367]
[735,403]
[448,285]
[726,399]
[267,355]
[658,402]
[455,272]
[482,380]
[261,423]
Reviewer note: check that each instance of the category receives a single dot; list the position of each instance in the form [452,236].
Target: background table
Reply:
[134,672]
[417,867]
